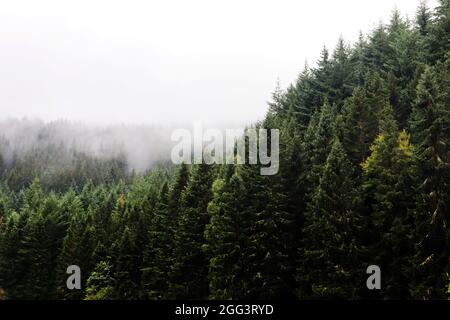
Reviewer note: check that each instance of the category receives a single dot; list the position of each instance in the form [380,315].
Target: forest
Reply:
[364,179]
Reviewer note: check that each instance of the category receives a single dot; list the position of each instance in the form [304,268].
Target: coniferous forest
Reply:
[364,179]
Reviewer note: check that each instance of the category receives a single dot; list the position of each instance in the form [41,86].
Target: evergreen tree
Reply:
[77,247]
[189,271]
[316,146]
[430,128]
[390,188]
[378,49]
[359,123]
[226,240]
[320,82]
[157,256]
[401,66]
[423,25]
[359,60]
[298,100]
[439,36]
[100,284]
[127,271]
[11,268]
[329,265]
[341,77]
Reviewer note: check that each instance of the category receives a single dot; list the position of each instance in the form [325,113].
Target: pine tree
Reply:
[267,230]
[43,241]
[298,101]
[316,146]
[439,36]
[423,18]
[226,240]
[127,271]
[423,23]
[390,188]
[10,268]
[77,247]
[378,49]
[175,192]
[157,255]
[5,204]
[329,265]
[189,271]
[359,60]
[401,66]
[341,78]
[132,218]
[100,284]
[320,82]
[359,123]
[430,127]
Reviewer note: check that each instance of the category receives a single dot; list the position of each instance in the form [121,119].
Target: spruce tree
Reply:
[10,266]
[390,188]
[430,125]
[157,257]
[359,123]
[77,247]
[341,75]
[316,146]
[423,23]
[329,265]
[189,271]
[100,282]
[440,32]
[226,240]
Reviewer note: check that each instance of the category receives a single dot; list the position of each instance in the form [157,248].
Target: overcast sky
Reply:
[166,61]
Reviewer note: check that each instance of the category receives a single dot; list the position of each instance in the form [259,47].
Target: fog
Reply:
[165,62]
[116,77]
[143,146]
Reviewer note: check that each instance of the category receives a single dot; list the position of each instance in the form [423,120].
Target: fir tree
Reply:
[440,32]
[359,123]
[157,255]
[100,284]
[189,271]
[226,240]
[77,247]
[390,187]
[329,265]
[430,128]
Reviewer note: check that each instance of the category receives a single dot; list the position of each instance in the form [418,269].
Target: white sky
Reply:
[166,61]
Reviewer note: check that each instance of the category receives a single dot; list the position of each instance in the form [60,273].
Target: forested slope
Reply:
[364,179]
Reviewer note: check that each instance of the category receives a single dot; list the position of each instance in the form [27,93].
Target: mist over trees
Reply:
[364,179]
[140,145]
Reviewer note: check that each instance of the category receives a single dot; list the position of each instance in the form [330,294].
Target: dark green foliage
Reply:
[77,246]
[31,243]
[316,146]
[359,118]
[430,125]
[390,188]
[329,262]
[364,172]
[226,240]
[439,35]
[157,257]
[189,273]
[100,282]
